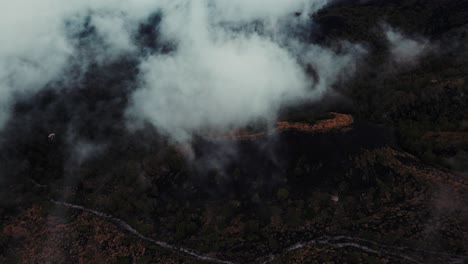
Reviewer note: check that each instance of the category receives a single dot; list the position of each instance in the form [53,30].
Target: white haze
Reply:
[219,78]
[214,79]
[406,49]
[35,46]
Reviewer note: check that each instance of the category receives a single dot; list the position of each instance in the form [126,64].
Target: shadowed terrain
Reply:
[374,170]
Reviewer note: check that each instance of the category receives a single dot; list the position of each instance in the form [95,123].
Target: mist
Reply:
[228,70]
[40,41]
[406,49]
[231,62]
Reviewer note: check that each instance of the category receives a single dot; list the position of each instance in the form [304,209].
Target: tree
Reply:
[282,194]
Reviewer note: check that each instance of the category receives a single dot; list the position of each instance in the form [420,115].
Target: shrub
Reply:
[282,194]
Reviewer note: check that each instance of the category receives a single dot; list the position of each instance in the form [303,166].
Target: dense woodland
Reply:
[260,203]
[414,99]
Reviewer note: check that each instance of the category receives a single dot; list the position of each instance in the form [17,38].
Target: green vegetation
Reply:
[146,259]
[282,194]
[257,200]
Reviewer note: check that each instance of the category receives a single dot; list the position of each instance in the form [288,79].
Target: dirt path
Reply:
[371,247]
[133,231]
[337,122]
[368,246]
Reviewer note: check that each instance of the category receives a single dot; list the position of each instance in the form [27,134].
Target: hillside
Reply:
[234,132]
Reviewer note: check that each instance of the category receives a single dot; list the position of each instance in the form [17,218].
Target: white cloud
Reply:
[221,84]
[405,49]
[215,78]
[218,78]
[248,10]
[35,47]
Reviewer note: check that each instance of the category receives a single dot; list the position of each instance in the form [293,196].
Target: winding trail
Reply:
[364,245]
[133,231]
[405,254]
[398,253]
[337,122]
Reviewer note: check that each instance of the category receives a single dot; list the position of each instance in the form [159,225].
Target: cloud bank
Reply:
[223,74]
[37,42]
[230,62]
